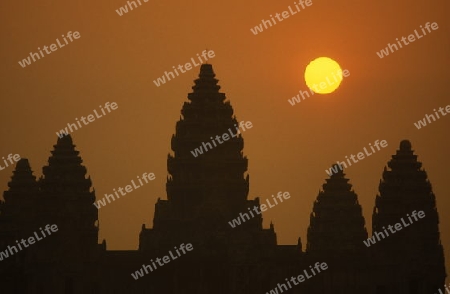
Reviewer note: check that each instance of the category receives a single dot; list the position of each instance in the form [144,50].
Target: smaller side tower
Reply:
[336,223]
[67,201]
[17,215]
[414,252]
[18,211]
[335,236]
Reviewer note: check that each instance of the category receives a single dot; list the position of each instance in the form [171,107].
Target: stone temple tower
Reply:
[336,223]
[413,257]
[19,208]
[68,199]
[336,234]
[206,190]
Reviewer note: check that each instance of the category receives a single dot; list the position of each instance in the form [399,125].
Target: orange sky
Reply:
[289,147]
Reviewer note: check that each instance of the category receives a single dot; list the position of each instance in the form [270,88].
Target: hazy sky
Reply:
[289,147]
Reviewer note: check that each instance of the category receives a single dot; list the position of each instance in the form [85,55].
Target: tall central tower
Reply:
[211,184]
[207,187]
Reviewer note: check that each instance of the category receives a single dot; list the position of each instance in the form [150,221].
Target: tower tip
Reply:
[405,145]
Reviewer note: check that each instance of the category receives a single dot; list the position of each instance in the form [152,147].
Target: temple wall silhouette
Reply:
[203,194]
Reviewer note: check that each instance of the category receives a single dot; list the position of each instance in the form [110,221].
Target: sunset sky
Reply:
[289,147]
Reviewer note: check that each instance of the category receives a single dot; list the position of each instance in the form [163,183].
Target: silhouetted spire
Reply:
[416,246]
[218,170]
[20,197]
[336,223]
[207,185]
[206,84]
[67,200]
[64,170]
[22,181]
[404,188]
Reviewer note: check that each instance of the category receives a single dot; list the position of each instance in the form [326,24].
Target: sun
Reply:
[323,75]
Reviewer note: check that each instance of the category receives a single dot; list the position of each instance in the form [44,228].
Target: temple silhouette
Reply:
[204,193]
